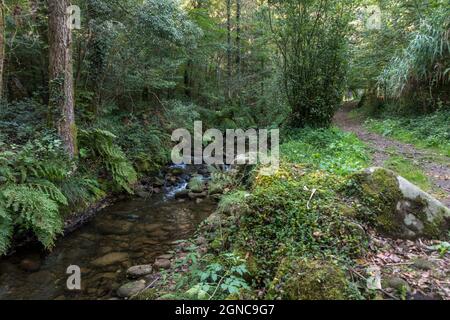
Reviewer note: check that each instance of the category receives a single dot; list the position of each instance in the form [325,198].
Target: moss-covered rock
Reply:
[305,279]
[397,207]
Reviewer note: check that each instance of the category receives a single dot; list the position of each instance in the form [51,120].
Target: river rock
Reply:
[162,264]
[193,195]
[131,289]
[183,194]
[139,271]
[402,210]
[152,227]
[110,259]
[114,227]
[165,257]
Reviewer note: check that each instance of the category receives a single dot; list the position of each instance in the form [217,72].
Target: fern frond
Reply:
[49,189]
[34,211]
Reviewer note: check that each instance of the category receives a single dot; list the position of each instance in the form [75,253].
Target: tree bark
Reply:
[229,53]
[2,45]
[238,47]
[61,102]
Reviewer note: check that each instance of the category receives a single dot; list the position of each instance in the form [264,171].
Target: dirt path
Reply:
[435,166]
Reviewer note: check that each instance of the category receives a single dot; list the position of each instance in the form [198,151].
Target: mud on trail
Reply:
[435,166]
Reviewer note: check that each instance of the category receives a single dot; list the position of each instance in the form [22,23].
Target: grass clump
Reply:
[410,171]
[332,150]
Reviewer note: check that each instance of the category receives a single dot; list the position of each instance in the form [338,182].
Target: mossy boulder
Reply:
[397,207]
[309,279]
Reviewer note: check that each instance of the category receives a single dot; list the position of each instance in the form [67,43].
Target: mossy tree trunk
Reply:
[61,102]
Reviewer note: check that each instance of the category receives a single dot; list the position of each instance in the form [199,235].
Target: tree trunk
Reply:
[238,48]
[228,97]
[2,45]
[61,102]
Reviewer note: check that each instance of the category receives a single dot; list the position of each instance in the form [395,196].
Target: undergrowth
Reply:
[428,131]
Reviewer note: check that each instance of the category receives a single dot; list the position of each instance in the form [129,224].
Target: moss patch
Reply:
[305,279]
[379,193]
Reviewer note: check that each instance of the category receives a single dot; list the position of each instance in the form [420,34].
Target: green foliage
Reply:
[306,279]
[297,212]
[408,170]
[98,145]
[33,210]
[222,181]
[196,184]
[145,144]
[22,120]
[425,59]
[311,41]
[233,203]
[215,278]
[428,131]
[29,191]
[327,149]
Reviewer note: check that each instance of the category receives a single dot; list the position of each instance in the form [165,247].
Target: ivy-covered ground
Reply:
[301,234]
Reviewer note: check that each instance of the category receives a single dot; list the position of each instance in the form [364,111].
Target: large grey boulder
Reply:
[398,207]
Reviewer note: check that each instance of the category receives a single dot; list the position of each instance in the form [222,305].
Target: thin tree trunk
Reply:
[229,59]
[238,48]
[2,45]
[61,102]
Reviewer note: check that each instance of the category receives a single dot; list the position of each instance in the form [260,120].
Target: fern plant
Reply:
[28,201]
[37,184]
[99,144]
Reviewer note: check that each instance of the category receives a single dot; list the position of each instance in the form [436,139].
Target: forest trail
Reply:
[435,166]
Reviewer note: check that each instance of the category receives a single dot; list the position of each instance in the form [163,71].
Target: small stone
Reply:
[139,271]
[423,264]
[165,257]
[131,289]
[143,194]
[162,264]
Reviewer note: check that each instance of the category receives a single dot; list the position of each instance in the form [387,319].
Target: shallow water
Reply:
[128,233]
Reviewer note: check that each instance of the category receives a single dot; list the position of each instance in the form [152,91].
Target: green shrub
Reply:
[98,145]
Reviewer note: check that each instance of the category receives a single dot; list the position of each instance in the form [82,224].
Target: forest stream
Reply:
[130,232]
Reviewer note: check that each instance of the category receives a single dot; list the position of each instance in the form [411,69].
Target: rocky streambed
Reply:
[124,241]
